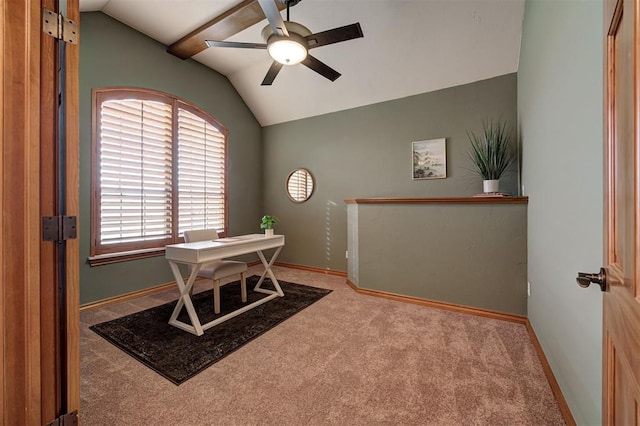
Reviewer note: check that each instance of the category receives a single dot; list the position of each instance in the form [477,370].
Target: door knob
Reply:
[584,279]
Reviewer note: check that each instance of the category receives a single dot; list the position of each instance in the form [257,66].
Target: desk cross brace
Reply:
[185,296]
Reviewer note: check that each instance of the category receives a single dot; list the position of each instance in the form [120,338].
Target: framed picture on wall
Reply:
[429,159]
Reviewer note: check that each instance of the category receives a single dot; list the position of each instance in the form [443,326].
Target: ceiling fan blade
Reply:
[273,16]
[240,17]
[321,68]
[274,69]
[214,43]
[336,35]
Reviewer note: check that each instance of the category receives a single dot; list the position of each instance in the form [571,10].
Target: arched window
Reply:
[159,169]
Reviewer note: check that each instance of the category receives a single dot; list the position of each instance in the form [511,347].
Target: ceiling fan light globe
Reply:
[286,50]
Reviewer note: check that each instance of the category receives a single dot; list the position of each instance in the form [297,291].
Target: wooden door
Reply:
[621,310]
[29,118]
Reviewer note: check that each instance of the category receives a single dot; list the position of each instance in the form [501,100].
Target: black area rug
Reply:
[178,355]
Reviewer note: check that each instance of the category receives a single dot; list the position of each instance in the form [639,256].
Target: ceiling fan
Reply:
[288,42]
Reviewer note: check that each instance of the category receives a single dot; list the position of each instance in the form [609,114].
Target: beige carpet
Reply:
[348,359]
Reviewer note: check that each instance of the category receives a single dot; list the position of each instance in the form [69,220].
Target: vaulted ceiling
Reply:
[409,47]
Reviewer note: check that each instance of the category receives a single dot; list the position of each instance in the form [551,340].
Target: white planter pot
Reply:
[490,185]
[268,232]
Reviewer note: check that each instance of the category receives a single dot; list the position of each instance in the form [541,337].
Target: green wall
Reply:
[467,254]
[366,152]
[112,54]
[560,108]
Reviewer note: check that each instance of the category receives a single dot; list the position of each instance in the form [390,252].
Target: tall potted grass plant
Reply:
[491,152]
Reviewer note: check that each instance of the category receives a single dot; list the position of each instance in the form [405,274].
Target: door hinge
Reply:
[59,228]
[57,26]
[69,419]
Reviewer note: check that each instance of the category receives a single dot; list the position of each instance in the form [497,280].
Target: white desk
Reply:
[199,253]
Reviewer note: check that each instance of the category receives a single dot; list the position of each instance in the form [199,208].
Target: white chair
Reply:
[217,270]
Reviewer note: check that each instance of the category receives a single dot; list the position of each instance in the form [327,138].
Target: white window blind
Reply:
[159,170]
[135,171]
[201,174]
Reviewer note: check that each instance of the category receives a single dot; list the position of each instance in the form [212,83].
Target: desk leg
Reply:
[185,300]
[267,270]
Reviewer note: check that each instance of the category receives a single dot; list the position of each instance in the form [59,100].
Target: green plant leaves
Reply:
[491,152]
[268,222]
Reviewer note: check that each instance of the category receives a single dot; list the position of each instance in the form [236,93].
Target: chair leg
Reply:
[243,286]
[216,296]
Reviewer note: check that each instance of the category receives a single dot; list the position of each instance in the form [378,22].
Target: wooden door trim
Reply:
[73,209]
[2,245]
[608,195]
[610,7]
[20,250]
[32,210]
[636,135]
[48,249]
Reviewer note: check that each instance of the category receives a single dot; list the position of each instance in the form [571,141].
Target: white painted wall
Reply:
[560,121]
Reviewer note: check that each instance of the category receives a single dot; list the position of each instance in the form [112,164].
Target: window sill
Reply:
[124,256]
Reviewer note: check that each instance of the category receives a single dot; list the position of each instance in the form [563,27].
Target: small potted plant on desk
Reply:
[267,224]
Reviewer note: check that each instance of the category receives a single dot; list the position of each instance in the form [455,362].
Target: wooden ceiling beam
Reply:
[234,20]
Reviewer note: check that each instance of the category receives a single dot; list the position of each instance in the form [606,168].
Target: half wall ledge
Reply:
[451,200]
[470,251]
